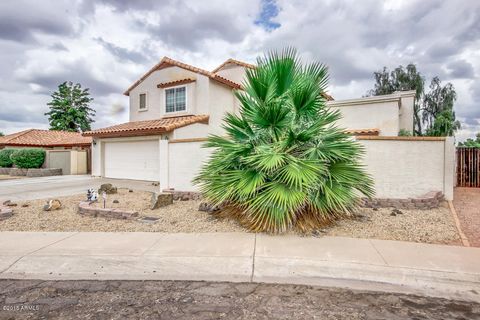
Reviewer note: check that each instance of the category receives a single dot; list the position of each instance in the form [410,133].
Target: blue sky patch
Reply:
[269,11]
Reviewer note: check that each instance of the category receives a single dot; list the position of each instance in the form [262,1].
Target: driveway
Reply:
[58,186]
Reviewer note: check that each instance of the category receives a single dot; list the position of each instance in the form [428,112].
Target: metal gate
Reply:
[468,167]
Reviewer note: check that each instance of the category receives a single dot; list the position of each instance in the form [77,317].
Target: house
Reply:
[46,139]
[175,106]
[69,151]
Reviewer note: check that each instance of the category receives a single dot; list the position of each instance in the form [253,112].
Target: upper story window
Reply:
[142,105]
[176,99]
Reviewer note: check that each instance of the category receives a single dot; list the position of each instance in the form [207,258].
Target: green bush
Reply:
[5,160]
[28,158]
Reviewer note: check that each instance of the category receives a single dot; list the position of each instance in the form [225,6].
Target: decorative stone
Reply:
[396,211]
[149,220]
[25,205]
[11,204]
[160,200]
[115,201]
[107,188]
[53,204]
[18,172]
[156,184]
[207,207]
[86,209]
[5,213]
[183,195]
[130,190]
[44,172]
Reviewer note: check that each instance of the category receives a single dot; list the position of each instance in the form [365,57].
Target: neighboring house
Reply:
[67,150]
[175,101]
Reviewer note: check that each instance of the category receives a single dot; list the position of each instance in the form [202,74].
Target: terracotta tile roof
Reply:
[233,61]
[363,132]
[147,127]
[45,138]
[175,83]
[167,62]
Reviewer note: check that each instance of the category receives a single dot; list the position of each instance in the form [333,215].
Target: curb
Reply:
[463,237]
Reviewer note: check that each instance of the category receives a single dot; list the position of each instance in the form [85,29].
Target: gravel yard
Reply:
[429,226]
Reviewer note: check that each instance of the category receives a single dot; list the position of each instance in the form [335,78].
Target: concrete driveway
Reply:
[57,186]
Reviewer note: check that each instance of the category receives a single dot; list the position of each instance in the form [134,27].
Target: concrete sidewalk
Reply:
[393,266]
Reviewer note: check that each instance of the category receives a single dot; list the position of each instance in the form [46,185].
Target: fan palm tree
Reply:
[283,163]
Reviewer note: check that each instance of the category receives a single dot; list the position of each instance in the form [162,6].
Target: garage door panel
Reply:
[138,160]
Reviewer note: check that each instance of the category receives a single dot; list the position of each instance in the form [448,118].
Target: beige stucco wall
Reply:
[388,113]
[197,94]
[185,160]
[404,169]
[400,169]
[233,72]
[222,101]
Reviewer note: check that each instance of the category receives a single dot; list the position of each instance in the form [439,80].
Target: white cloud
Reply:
[106,45]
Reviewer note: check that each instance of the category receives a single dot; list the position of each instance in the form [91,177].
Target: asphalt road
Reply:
[35,299]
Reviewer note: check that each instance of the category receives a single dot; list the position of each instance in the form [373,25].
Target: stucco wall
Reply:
[233,72]
[222,101]
[401,169]
[388,113]
[410,168]
[185,160]
[197,94]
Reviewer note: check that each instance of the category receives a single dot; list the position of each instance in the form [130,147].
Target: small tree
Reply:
[69,108]
[284,164]
[401,79]
[1,134]
[433,110]
[471,143]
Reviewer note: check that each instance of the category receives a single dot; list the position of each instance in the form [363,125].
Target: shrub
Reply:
[284,164]
[5,160]
[404,133]
[28,158]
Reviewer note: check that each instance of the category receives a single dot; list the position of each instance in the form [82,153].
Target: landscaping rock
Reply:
[116,201]
[25,205]
[11,204]
[207,207]
[52,205]
[396,211]
[5,213]
[130,190]
[160,200]
[18,172]
[107,188]
[156,184]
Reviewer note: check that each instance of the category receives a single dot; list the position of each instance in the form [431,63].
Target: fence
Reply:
[468,167]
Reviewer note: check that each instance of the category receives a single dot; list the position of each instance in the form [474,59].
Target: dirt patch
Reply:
[428,226]
[214,300]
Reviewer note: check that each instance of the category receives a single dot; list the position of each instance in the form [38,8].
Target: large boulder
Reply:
[107,188]
[161,200]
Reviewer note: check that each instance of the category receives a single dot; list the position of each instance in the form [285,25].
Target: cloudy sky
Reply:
[106,45]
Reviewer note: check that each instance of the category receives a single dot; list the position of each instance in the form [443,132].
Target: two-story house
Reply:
[178,103]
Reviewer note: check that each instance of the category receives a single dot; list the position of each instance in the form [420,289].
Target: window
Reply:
[143,101]
[176,99]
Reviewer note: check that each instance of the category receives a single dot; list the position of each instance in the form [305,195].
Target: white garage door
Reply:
[138,160]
